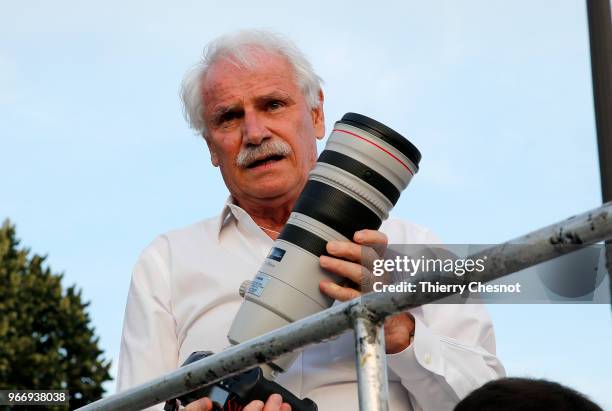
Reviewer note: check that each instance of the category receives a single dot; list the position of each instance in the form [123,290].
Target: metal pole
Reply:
[371,362]
[536,247]
[600,36]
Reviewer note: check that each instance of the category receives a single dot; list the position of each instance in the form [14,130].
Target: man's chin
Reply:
[279,183]
[272,193]
[273,189]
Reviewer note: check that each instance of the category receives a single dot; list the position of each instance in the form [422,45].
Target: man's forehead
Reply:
[259,63]
[226,80]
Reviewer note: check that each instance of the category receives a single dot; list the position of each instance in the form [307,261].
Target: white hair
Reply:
[242,48]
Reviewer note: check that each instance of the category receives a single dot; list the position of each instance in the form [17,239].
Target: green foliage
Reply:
[46,340]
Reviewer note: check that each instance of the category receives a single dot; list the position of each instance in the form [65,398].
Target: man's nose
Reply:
[254,129]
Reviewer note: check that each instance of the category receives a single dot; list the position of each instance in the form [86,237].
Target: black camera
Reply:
[234,393]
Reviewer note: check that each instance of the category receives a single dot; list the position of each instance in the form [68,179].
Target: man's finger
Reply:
[361,254]
[370,237]
[344,249]
[353,271]
[369,255]
[376,239]
[285,407]
[255,405]
[336,292]
[203,404]
[274,403]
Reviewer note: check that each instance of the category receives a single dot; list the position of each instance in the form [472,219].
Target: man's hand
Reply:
[353,258]
[274,403]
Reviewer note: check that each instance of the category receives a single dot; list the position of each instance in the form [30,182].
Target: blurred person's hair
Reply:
[244,49]
[525,394]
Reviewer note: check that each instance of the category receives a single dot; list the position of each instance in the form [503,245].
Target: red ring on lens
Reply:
[376,145]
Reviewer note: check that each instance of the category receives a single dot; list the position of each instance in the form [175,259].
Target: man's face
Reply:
[248,109]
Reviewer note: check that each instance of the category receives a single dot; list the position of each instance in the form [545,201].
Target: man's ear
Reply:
[214,159]
[318,117]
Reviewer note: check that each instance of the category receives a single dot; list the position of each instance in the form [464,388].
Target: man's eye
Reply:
[227,117]
[275,105]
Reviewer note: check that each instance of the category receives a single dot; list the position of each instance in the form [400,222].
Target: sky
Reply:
[98,160]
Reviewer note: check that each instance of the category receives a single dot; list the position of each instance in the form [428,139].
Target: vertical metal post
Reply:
[371,362]
[600,36]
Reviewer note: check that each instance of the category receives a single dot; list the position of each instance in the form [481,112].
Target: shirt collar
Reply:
[231,211]
[226,214]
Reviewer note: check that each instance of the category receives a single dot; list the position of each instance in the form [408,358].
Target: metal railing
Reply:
[365,315]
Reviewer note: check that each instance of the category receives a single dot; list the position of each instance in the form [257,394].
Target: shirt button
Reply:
[427,359]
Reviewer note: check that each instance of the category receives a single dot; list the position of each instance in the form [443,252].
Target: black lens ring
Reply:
[335,209]
[361,171]
[304,239]
[385,133]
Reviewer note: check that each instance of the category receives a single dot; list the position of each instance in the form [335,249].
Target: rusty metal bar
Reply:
[538,246]
[371,362]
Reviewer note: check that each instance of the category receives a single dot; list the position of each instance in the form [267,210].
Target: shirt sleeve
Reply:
[149,345]
[452,354]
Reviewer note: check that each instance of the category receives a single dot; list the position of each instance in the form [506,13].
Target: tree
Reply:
[46,340]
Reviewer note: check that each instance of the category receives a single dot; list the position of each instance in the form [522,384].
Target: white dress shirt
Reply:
[184,295]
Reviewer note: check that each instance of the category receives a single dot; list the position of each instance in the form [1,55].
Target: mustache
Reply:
[267,148]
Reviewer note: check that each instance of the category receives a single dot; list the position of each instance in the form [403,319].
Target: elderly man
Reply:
[259,106]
